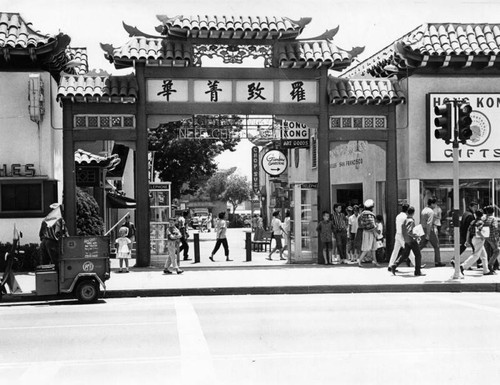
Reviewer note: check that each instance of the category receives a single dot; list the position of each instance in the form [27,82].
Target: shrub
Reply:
[88,221]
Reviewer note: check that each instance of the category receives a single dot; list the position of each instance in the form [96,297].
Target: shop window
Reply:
[479,190]
[26,198]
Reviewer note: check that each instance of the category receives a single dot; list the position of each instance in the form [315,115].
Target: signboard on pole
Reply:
[255,170]
[274,162]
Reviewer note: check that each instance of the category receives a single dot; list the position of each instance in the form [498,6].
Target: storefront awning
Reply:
[116,201]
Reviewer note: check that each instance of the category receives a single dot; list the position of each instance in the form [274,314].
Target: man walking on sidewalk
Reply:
[277,229]
[399,242]
[467,218]
[220,231]
[492,239]
[430,231]
[183,227]
[411,244]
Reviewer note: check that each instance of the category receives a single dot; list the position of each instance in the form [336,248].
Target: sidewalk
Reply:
[291,279]
[261,276]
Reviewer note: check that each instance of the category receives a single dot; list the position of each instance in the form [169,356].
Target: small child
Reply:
[173,241]
[325,230]
[123,253]
[380,253]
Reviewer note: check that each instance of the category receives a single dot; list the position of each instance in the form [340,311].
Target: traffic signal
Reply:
[443,120]
[464,122]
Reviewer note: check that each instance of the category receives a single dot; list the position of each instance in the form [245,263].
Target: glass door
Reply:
[159,213]
[305,223]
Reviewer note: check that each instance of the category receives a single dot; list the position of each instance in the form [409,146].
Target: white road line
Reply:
[40,374]
[472,305]
[91,362]
[84,325]
[196,361]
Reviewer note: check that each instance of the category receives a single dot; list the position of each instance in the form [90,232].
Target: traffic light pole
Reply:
[456,193]
[456,207]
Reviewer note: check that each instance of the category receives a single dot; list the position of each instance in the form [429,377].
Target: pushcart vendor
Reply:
[53,228]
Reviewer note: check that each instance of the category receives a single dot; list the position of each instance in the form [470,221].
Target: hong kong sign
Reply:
[235,91]
[294,135]
[255,170]
[484,144]
[274,162]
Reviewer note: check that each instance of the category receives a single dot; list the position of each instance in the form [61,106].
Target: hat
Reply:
[369,203]
[54,206]
[349,208]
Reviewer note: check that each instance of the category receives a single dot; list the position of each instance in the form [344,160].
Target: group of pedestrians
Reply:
[478,230]
[355,235]
[410,238]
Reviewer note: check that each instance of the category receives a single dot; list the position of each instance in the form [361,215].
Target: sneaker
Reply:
[166,271]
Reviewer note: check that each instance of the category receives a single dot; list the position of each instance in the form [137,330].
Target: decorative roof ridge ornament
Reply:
[109,49]
[135,32]
[302,22]
[328,35]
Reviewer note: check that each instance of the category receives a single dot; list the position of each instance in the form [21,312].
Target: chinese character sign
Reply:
[213,91]
[298,91]
[255,91]
[167,90]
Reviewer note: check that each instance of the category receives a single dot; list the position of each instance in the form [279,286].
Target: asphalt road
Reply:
[291,339]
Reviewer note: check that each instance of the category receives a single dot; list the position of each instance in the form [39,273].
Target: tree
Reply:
[189,162]
[88,221]
[214,188]
[237,191]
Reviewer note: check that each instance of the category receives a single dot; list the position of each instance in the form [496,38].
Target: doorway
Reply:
[347,194]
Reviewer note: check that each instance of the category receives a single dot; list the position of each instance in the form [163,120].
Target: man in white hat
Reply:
[53,228]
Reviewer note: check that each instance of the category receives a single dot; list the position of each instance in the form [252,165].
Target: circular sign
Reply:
[274,162]
[88,266]
[480,127]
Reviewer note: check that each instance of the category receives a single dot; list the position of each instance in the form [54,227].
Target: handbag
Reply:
[485,232]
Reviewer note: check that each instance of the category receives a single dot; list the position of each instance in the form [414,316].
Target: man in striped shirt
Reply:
[340,223]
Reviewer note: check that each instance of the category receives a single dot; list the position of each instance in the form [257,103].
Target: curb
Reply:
[452,287]
[315,289]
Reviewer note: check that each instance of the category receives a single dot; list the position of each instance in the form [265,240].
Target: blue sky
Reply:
[373,24]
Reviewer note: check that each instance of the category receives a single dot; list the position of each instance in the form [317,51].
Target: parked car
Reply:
[198,217]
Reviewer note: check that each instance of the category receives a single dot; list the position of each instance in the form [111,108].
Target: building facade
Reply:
[432,63]
[31,169]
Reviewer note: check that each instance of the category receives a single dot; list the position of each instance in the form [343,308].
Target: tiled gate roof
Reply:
[364,91]
[437,45]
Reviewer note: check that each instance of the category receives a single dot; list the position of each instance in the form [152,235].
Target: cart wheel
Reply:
[87,291]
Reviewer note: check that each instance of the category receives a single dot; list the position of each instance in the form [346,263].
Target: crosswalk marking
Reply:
[196,360]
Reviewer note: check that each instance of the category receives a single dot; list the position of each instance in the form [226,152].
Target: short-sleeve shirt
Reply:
[353,223]
[400,220]
[220,229]
[276,226]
